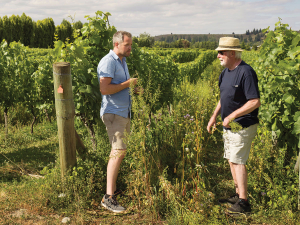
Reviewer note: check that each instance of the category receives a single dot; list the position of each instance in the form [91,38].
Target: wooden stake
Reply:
[298,166]
[65,112]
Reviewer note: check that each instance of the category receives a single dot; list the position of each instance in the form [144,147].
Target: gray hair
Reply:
[238,54]
[119,36]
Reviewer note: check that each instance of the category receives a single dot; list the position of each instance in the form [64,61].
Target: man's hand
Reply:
[107,88]
[133,81]
[226,122]
[211,123]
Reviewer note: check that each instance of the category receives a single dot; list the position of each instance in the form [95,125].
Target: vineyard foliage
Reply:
[178,56]
[196,67]
[279,73]
[162,69]
[185,56]
[277,65]
[17,85]
[29,81]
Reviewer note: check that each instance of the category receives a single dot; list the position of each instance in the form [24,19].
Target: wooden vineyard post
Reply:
[297,171]
[65,112]
[298,164]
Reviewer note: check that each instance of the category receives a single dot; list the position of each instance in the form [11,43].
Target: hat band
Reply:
[224,46]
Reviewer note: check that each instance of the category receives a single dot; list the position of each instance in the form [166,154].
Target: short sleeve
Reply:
[106,68]
[221,77]
[251,85]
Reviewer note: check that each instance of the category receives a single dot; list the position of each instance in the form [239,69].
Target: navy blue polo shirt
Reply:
[236,88]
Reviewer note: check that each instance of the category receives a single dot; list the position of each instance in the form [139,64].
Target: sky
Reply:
[157,17]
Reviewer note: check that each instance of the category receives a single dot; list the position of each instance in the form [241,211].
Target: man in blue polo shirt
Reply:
[114,79]
[239,102]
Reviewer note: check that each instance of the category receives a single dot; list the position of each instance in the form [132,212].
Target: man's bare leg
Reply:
[239,174]
[234,177]
[115,159]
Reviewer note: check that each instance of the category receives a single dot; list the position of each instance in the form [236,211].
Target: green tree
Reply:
[243,46]
[181,43]
[250,38]
[50,30]
[16,27]
[39,34]
[44,33]
[257,38]
[77,26]
[27,29]
[1,29]
[7,31]
[64,31]
[135,40]
[247,47]
[145,40]
[32,39]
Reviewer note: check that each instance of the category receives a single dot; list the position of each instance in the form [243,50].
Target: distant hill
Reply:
[258,37]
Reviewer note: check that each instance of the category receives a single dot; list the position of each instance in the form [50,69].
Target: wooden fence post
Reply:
[298,165]
[65,112]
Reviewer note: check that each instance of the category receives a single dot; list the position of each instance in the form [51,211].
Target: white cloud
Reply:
[166,16]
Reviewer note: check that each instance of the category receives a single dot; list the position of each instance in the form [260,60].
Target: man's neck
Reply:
[119,55]
[235,64]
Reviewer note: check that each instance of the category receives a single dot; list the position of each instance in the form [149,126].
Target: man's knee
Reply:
[118,153]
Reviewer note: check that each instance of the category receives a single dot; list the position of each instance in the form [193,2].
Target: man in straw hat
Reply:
[239,102]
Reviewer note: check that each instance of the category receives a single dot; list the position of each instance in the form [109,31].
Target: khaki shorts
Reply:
[237,145]
[116,127]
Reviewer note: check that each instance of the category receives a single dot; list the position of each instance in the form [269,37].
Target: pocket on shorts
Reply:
[108,119]
[244,136]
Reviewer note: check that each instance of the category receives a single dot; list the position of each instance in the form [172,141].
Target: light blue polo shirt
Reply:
[118,103]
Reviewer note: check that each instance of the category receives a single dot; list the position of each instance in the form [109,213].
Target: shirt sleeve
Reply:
[106,68]
[251,85]
[221,77]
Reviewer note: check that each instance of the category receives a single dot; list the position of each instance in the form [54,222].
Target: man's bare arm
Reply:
[245,109]
[107,88]
[213,119]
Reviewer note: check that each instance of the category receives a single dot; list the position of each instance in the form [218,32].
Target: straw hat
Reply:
[229,43]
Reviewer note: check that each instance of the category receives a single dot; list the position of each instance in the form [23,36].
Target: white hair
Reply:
[238,54]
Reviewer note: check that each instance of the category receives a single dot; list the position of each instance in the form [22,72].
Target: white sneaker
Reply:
[109,202]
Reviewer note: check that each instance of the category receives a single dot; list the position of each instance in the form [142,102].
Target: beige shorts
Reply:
[237,145]
[116,127]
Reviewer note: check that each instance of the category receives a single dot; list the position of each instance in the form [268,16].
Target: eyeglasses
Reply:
[221,52]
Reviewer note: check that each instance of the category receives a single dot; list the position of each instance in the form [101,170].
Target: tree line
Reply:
[206,41]
[40,34]
[43,33]
[145,40]
[191,38]
[254,31]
